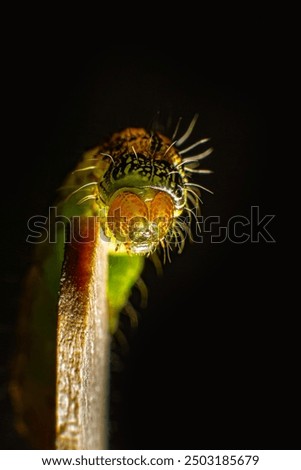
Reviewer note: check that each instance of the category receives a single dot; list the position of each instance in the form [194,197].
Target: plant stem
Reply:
[83,342]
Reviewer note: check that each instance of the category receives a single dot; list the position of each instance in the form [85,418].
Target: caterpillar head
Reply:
[140,220]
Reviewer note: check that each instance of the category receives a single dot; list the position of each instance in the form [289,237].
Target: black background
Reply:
[209,365]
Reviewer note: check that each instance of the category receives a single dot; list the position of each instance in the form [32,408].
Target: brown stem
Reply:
[83,342]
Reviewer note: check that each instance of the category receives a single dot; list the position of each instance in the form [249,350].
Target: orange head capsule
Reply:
[140,222]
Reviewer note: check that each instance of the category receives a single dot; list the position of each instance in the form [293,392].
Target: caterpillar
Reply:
[137,183]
